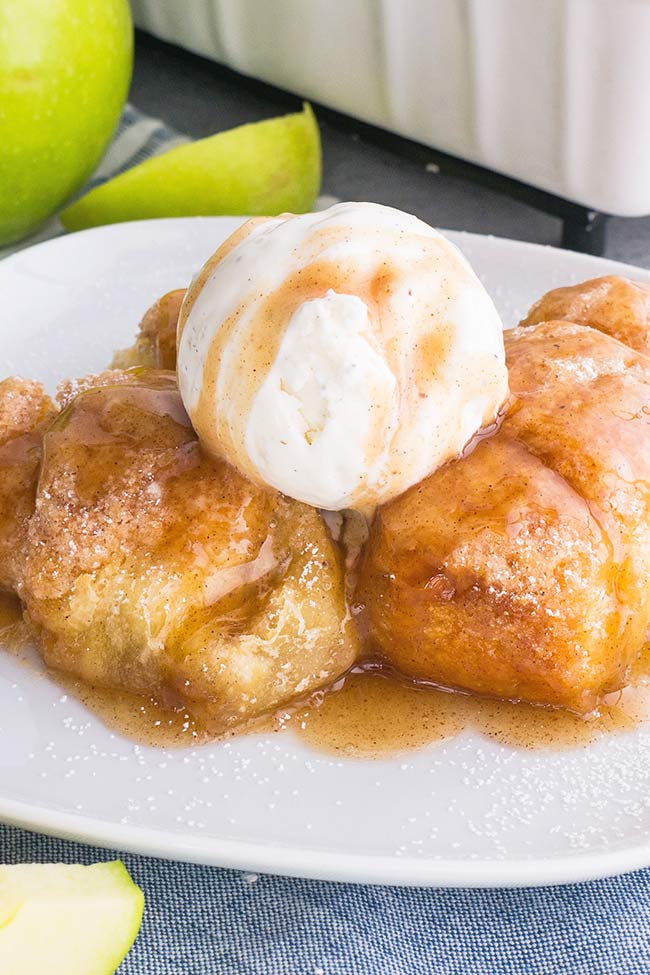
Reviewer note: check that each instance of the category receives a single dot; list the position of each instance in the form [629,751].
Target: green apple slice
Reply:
[57,919]
[263,169]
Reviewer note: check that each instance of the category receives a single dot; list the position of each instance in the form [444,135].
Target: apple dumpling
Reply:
[24,411]
[155,343]
[153,569]
[615,305]
[521,570]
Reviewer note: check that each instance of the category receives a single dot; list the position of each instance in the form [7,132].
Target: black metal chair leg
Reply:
[585,231]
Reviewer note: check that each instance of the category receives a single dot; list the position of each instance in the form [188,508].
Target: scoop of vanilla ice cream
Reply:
[340,356]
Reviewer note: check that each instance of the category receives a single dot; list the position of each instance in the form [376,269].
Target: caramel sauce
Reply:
[140,719]
[370,713]
[11,613]
[147,722]
[15,632]
[374,714]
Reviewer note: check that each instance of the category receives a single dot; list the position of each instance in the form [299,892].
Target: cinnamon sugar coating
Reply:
[614,305]
[25,410]
[155,343]
[152,568]
[522,571]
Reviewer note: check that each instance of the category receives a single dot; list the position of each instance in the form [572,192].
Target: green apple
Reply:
[57,919]
[65,67]
[263,168]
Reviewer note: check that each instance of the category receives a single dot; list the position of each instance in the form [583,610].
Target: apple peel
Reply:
[262,168]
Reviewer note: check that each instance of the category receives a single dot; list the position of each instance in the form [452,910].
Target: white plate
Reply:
[467,811]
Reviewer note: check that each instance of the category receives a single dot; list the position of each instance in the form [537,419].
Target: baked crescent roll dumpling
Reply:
[24,411]
[523,570]
[153,569]
[614,305]
[155,343]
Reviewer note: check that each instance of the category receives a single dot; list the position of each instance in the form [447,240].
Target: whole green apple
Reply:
[65,67]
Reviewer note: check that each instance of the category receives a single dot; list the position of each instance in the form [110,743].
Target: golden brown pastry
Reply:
[614,305]
[522,571]
[24,411]
[153,569]
[155,344]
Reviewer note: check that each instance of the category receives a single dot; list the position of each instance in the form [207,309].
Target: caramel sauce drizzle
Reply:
[370,713]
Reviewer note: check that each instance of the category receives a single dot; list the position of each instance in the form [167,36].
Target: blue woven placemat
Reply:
[205,921]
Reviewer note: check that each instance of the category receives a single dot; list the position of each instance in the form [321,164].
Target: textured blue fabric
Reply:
[205,921]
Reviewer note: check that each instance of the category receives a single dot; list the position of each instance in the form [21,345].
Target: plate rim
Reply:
[64,238]
[309,862]
[314,864]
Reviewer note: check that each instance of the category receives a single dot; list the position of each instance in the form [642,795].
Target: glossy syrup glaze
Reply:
[368,714]
[375,714]
[372,713]
[10,613]
[15,632]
